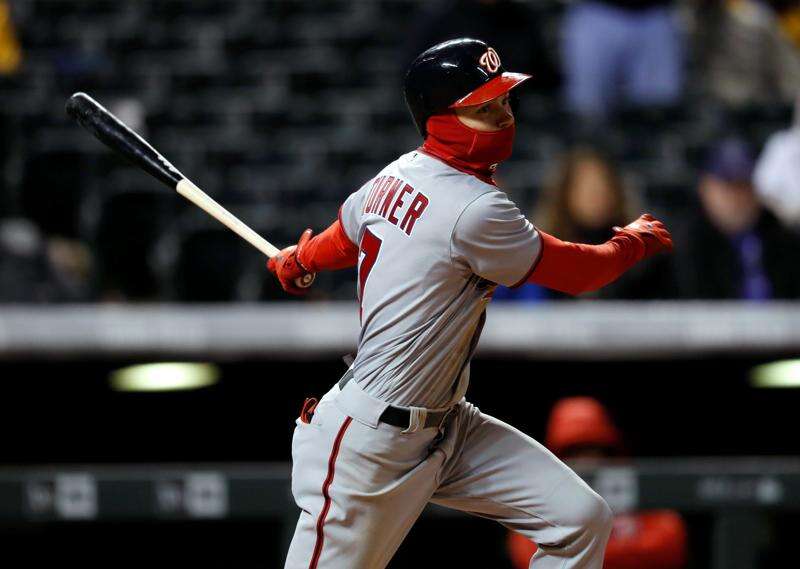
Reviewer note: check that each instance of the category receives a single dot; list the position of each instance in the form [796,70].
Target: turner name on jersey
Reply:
[394,199]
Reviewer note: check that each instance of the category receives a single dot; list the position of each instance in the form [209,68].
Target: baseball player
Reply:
[432,237]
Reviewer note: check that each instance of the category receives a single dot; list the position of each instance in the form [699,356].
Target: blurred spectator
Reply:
[734,247]
[71,264]
[511,28]
[581,203]
[34,270]
[23,264]
[580,428]
[745,58]
[789,19]
[10,60]
[777,174]
[621,52]
[584,198]
[10,51]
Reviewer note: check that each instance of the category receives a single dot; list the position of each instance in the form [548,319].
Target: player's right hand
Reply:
[288,269]
[651,231]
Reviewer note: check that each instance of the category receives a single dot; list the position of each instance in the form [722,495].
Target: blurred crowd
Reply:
[729,246]
[685,108]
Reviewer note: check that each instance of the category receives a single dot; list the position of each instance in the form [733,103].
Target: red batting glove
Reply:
[288,269]
[652,232]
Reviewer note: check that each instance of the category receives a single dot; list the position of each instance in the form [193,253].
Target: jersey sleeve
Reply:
[350,214]
[495,240]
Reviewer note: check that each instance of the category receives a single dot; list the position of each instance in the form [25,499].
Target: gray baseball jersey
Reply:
[434,244]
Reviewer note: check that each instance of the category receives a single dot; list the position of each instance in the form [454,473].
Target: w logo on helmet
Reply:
[490,61]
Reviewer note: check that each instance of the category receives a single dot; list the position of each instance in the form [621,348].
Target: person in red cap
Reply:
[580,427]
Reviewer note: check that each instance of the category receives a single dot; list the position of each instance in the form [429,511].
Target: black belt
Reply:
[400,417]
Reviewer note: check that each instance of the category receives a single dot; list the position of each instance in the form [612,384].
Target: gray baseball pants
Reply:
[361,484]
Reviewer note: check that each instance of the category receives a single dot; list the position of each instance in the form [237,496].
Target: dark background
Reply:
[674,407]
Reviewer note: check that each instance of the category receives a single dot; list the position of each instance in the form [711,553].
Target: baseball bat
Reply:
[115,134]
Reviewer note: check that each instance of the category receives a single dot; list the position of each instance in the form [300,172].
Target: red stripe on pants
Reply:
[325,488]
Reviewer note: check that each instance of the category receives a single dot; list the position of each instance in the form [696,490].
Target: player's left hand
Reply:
[288,269]
[652,232]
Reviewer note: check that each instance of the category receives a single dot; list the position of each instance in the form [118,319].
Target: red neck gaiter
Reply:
[466,149]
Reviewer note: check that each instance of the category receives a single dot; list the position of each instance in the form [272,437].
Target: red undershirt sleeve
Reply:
[574,268]
[329,251]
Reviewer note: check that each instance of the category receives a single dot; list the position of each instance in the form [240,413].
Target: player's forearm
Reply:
[329,251]
[574,268]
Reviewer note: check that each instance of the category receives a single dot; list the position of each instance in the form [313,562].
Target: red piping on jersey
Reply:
[339,219]
[535,264]
[326,494]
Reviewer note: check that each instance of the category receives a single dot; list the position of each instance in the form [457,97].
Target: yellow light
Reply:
[776,374]
[172,376]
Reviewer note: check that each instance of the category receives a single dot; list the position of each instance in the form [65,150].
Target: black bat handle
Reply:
[115,134]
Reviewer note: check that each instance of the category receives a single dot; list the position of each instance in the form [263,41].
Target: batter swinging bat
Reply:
[115,134]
